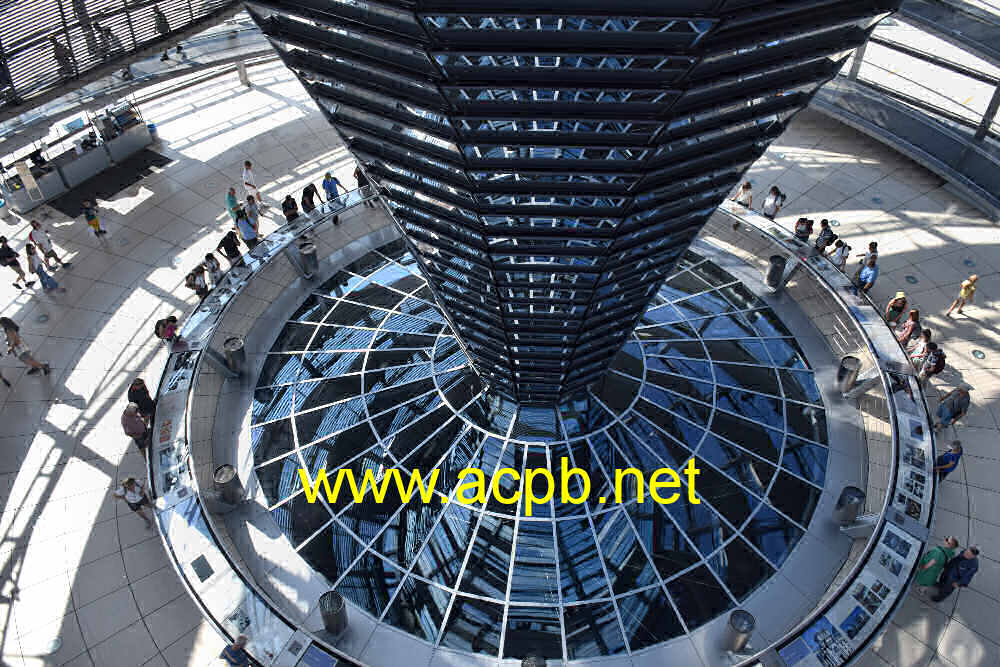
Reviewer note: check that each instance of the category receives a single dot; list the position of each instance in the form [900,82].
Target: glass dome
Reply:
[367,375]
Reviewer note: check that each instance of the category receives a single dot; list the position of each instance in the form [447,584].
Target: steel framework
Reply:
[550,165]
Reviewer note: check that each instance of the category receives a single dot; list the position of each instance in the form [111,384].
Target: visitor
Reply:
[136,427]
[947,462]
[37,266]
[825,237]
[841,251]
[918,348]
[866,257]
[332,186]
[932,563]
[743,197]
[8,257]
[214,269]
[363,181]
[17,347]
[229,247]
[250,183]
[867,276]
[911,328]
[966,292]
[894,309]
[952,407]
[43,242]
[232,204]
[958,573]
[247,228]
[235,654]
[934,361]
[803,229]
[134,495]
[196,281]
[290,208]
[93,220]
[309,194]
[138,393]
[167,329]
[773,202]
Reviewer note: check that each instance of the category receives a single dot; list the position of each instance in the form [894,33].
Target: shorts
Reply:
[15,266]
[50,253]
[94,224]
[135,506]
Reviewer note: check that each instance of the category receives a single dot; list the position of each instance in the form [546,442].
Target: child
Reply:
[90,215]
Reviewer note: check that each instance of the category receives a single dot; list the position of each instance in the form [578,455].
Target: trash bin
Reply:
[333,609]
[236,356]
[307,255]
[847,374]
[775,271]
[849,505]
[739,629]
[227,484]
[153,134]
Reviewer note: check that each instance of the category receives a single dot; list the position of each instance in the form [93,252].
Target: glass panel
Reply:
[474,625]
[648,618]
[592,630]
[699,596]
[533,631]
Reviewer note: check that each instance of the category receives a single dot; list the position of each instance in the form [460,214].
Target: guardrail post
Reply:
[738,631]
[241,71]
[220,363]
[849,505]
[991,113]
[859,57]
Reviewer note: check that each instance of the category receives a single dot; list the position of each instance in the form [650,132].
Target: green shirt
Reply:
[940,556]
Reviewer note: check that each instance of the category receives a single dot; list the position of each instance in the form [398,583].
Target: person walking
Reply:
[43,242]
[773,202]
[247,229]
[952,407]
[250,183]
[290,208]
[825,236]
[918,348]
[8,257]
[37,266]
[229,247]
[134,494]
[232,204]
[214,269]
[867,276]
[958,573]
[136,427]
[934,362]
[932,563]
[894,309]
[744,197]
[966,292]
[138,393]
[332,186]
[841,251]
[235,654]
[17,347]
[363,181]
[947,462]
[93,219]
[911,328]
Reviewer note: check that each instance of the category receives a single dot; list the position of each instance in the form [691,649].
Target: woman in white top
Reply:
[214,269]
[41,239]
[134,495]
[250,182]
[745,195]
[773,202]
[839,255]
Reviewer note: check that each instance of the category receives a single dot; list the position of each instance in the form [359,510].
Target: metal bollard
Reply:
[775,271]
[739,629]
[849,505]
[227,484]
[236,356]
[847,373]
[333,609]
[307,255]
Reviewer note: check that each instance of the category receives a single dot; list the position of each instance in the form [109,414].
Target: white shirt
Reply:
[35,262]
[133,496]
[744,197]
[770,206]
[41,239]
[839,255]
[248,177]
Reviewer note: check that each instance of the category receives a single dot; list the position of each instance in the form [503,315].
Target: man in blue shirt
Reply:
[868,275]
[949,460]
[331,186]
[235,654]
[957,573]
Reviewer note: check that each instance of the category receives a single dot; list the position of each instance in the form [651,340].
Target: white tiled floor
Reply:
[76,565]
